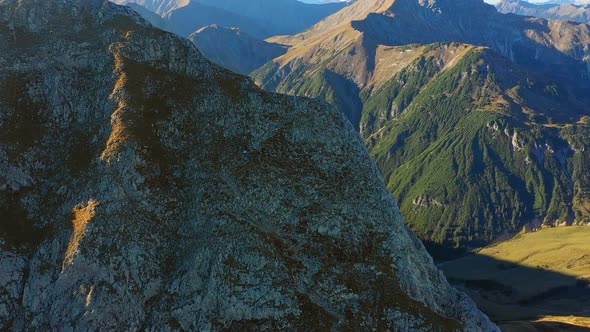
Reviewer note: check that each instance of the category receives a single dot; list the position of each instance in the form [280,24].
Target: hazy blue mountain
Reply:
[155,19]
[235,49]
[259,18]
[236,42]
[195,15]
[570,11]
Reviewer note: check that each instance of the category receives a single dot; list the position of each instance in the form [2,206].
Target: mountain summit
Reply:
[558,47]
[144,188]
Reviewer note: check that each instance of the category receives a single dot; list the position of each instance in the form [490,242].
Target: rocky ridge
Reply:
[147,188]
[558,47]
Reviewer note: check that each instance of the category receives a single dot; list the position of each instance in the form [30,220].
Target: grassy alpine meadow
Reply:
[540,277]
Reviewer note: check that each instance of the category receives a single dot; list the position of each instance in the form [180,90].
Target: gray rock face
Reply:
[144,188]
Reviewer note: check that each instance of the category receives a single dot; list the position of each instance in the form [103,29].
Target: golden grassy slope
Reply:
[545,326]
[535,266]
[565,250]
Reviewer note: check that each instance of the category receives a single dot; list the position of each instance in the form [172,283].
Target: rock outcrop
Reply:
[144,188]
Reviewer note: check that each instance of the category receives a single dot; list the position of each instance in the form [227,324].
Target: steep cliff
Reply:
[144,188]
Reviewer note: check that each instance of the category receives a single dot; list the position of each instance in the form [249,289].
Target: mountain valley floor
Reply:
[537,281]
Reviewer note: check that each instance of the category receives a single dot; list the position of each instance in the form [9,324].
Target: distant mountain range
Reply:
[258,18]
[210,23]
[571,11]
[479,120]
[235,49]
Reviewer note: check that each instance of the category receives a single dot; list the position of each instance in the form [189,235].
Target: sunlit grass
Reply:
[532,265]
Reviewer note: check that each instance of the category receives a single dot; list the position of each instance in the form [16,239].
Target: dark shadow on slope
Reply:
[541,327]
[346,94]
[443,252]
[17,231]
[507,291]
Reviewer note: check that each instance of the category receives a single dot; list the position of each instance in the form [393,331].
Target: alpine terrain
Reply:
[144,188]
[231,32]
[479,121]
[571,11]
[259,18]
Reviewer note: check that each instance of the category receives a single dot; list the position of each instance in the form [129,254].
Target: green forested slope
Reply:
[472,147]
[467,163]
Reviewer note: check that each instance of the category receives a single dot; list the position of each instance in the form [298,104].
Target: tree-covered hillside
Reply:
[472,145]
[479,149]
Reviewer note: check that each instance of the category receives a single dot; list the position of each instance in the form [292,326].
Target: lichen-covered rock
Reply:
[143,188]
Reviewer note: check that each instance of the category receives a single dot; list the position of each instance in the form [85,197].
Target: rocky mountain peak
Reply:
[147,188]
[532,42]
